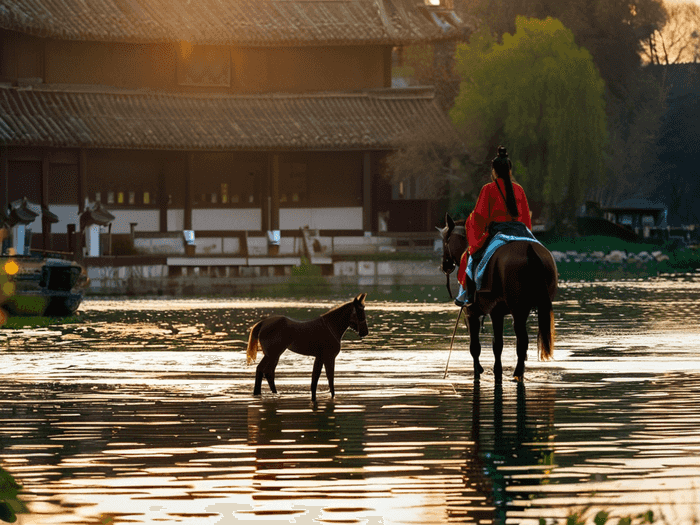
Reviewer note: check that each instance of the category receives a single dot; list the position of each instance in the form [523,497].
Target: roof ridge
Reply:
[88,89]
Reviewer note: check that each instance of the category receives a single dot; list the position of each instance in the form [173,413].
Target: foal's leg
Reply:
[474,344]
[318,365]
[329,365]
[262,366]
[520,327]
[497,323]
[270,373]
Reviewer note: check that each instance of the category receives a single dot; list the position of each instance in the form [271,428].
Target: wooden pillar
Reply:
[82,180]
[367,193]
[275,193]
[45,223]
[162,198]
[4,179]
[388,59]
[188,190]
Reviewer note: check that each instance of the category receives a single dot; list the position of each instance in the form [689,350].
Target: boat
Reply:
[35,283]
[41,286]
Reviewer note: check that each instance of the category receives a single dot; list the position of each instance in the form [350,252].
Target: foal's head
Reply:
[358,321]
[453,245]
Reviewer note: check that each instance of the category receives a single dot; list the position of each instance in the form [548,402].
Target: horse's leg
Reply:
[318,365]
[497,324]
[270,373]
[329,365]
[474,324]
[262,365]
[520,328]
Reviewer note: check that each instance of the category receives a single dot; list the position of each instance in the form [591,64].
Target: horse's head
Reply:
[454,242]
[358,321]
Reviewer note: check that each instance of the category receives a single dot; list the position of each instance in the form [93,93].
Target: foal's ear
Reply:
[361,298]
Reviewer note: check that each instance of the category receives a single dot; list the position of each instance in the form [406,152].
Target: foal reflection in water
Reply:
[319,338]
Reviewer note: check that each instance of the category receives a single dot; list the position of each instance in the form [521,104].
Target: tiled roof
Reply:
[71,117]
[233,22]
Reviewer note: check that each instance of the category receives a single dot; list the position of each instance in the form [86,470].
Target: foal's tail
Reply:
[545,312]
[253,344]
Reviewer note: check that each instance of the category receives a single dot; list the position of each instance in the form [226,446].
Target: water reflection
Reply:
[142,412]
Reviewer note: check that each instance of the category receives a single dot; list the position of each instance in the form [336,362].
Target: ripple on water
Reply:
[150,419]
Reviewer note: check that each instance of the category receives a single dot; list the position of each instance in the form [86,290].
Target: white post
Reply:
[18,235]
[92,235]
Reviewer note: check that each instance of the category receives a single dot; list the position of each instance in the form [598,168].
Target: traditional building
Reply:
[218,116]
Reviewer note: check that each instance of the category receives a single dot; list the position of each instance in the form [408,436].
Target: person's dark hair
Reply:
[501,165]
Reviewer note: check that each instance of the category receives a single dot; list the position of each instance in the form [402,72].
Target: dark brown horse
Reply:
[522,277]
[319,338]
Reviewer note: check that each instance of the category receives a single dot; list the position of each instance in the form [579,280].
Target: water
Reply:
[141,412]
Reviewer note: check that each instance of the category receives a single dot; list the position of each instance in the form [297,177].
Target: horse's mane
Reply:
[337,308]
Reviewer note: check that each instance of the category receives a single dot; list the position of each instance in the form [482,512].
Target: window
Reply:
[199,65]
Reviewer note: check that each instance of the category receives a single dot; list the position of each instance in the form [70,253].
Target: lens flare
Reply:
[11,267]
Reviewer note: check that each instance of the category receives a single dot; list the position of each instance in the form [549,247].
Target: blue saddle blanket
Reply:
[498,240]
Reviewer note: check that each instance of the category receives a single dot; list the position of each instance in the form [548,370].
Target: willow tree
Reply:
[540,95]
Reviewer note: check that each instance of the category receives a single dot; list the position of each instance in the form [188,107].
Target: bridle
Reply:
[361,319]
[462,232]
[447,251]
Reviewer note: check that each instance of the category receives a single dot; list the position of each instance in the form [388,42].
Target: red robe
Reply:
[491,207]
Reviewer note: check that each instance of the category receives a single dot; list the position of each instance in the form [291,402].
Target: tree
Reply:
[613,31]
[425,161]
[539,94]
[678,40]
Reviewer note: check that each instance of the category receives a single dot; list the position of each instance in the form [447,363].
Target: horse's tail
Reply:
[253,344]
[545,311]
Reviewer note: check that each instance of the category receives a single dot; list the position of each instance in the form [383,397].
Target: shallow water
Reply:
[141,412]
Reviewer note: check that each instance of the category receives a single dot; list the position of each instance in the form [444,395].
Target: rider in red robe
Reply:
[491,207]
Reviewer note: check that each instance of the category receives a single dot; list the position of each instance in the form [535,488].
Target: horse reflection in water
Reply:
[521,277]
[319,338]
[507,458]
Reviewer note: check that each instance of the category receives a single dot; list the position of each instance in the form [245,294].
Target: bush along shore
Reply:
[602,258]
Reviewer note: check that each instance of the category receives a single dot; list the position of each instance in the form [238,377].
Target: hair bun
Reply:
[502,152]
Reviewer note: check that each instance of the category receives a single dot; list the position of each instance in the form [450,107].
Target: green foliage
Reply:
[462,209]
[602,517]
[10,505]
[539,94]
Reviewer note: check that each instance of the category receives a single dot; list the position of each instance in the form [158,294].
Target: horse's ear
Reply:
[450,223]
[361,298]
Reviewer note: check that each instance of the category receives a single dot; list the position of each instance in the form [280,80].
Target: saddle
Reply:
[500,233]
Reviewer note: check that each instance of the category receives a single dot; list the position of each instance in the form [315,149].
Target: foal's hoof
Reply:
[518,379]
